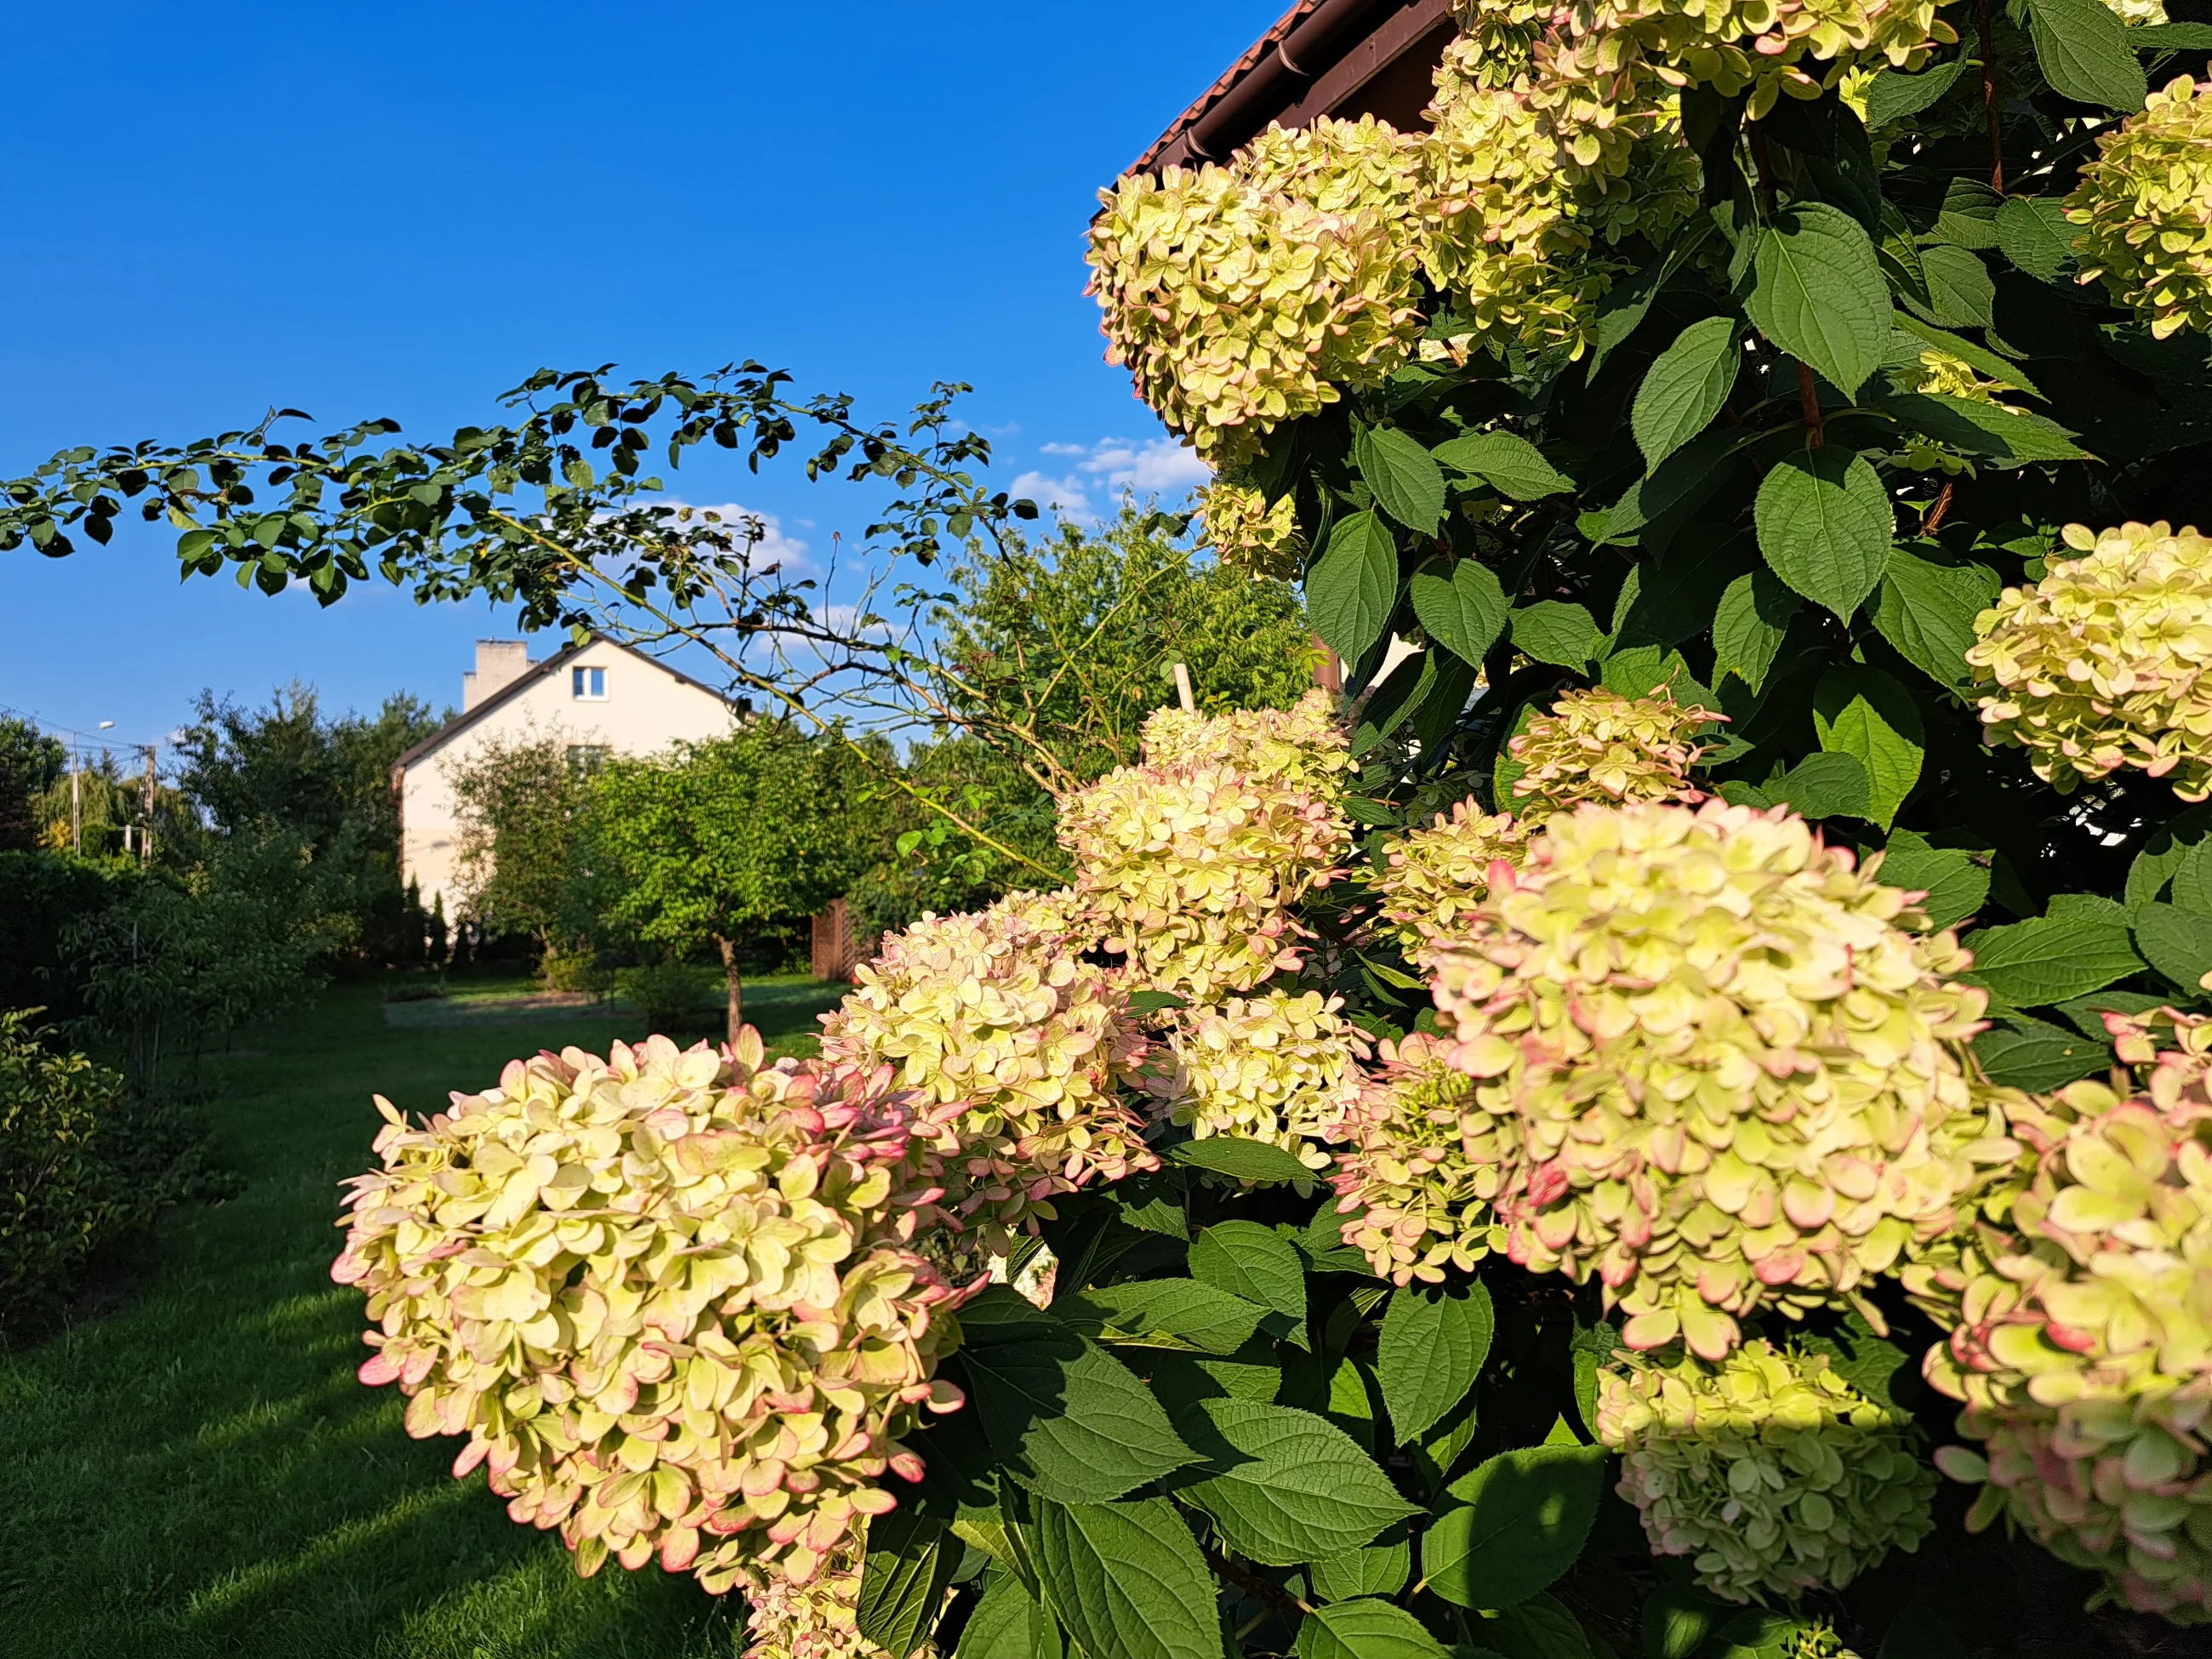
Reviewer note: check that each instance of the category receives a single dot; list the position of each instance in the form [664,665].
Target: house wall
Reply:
[645,710]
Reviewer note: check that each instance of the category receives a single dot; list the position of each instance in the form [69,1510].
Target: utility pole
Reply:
[146,810]
[76,800]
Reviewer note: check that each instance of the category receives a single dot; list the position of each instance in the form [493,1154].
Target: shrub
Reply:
[672,996]
[61,1195]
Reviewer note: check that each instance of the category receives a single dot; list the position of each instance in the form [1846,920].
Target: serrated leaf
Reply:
[2162,855]
[1863,713]
[1955,886]
[1824,526]
[1432,1346]
[1986,362]
[2170,37]
[1165,1312]
[2031,964]
[1007,1624]
[1557,632]
[1750,625]
[1959,291]
[1676,1620]
[1465,612]
[2033,233]
[1685,388]
[1818,293]
[1927,610]
[1378,1569]
[2020,1053]
[1538,1628]
[1126,1580]
[1521,1521]
[1288,1487]
[1672,491]
[2192,879]
[2087,1013]
[1354,587]
[1831,785]
[910,1561]
[1507,462]
[1642,670]
[1076,1418]
[1254,1161]
[2179,943]
[1253,1262]
[2083,50]
[1407,481]
[1894,95]
[1366,1629]
[2006,437]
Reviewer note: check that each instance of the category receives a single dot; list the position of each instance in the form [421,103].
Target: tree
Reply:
[31,763]
[525,863]
[736,842]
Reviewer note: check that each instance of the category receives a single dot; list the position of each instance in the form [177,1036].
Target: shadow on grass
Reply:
[199,1473]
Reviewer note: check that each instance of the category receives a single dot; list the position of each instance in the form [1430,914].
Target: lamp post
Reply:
[77,792]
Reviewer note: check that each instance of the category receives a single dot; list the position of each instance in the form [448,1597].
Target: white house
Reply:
[599,697]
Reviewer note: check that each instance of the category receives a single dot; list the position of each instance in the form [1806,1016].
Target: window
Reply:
[588,685]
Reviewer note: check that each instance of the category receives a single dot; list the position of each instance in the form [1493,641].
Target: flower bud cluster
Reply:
[1599,746]
[1249,533]
[1004,1020]
[819,1619]
[2104,662]
[669,1297]
[1769,1471]
[2145,206]
[1279,1067]
[1420,1180]
[1736,1078]
[2080,1330]
[1436,878]
[1189,864]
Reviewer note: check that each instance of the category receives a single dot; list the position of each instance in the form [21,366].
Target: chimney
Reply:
[500,662]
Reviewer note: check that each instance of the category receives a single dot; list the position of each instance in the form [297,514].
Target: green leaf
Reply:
[1366,1629]
[1008,1624]
[2088,1012]
[1895,95]
[910,1562]
[1404,477]
[2169,847]
[1507,462]
[1655,506]
[2192,879]
[2033,233]
[2006,437]
[1677,1619]
[1750,625]
[1965,350]
[1522,1520]
[1126,1580]
[2035,1055]
[2083,49]
[1959,291]
[1153,1002]
[1464,612]
[1538,1628]
[2031,964]
[1642,670]
[1254,1161]
[1684,389]
[2179,943]
[1253,1263]
[1290,1487]
[1863,713]
[1818,293]
[1955,886]
[1164,1313]
[1431,1348]
[1378,1569]
[1555,631]
[1927,610]
[2170,37]
[1352,589]
[1073,1415]
[1968,217]
[1825,525]
[1830,785]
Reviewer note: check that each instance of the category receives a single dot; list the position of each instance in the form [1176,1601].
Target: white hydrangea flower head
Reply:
[1768,1470]
[1596,745]
[1249,533]
[1282,1067]
[1434,879]
[1737,1078]
[2145,206]
[2107,661]
[669,1297]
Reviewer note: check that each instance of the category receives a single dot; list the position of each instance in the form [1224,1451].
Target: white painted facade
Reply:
[596,696]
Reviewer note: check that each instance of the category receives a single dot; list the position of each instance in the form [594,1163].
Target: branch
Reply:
[1253,1584]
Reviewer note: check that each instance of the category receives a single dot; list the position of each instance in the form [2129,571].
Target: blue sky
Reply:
[404,209]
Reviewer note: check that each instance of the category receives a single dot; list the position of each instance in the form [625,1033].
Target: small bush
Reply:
[576,969]
[61,1195]
[673,996]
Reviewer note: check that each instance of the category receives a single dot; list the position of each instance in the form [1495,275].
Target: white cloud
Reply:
[1157,467]
[776,545]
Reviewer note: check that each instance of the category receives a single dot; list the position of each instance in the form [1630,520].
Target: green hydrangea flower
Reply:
[2145,206]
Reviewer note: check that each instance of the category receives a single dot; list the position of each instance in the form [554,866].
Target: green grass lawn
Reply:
[196,1471]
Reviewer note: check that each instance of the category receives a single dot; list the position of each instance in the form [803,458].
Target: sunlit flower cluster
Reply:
[1736,1078]
[669,1297]
[817,1620]
[2080,1330]
[1768,1470]
[1006,1020]
[1282,1067]
[2145,206]
[2104,663]
[1596,745]
[1420,1178]
[1249,533]
[1304,744]
[1435,878]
